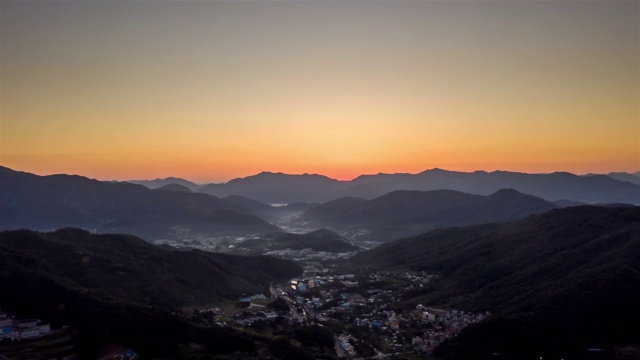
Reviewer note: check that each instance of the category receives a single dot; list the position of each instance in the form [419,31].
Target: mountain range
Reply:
[404,213]
[173,210]
[279,188]
[557,282]
[623,176]
[55,201]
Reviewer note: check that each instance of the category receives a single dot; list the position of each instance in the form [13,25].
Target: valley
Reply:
[407,275]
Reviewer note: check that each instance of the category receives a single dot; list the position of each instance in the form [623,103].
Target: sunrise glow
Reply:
[210,91]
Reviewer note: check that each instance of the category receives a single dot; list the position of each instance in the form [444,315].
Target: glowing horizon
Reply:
[211,91]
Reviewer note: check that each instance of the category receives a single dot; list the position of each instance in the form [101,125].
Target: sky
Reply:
[214,90]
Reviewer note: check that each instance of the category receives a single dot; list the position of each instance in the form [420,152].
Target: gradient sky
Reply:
[215,90]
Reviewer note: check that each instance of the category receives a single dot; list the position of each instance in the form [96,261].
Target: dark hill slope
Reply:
[505,205]
[330,211]
[418,211]
[175,187]
[126,267]
[319,240]
[120,288]
[559,281]
[51,202]
[257,207]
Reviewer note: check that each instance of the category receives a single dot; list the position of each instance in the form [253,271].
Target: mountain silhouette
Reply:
[158,183]
[55,201]
[402,213]
[279,188]
[554,186]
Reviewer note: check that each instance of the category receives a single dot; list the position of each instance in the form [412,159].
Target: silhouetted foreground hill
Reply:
[124,267]
[51,202]
[558,282]
[120,288]
[404,213]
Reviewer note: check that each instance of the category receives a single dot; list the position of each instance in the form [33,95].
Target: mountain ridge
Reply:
[550,186]
[569,274]
[160,182]
[281,188]
[55,201]
[409,212]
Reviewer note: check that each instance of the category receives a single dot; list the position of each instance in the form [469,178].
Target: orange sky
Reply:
[210,91]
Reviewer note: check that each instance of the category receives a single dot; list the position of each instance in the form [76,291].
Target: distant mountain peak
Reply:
[158,183]
[170,178]
[435,171]
[507,191]
[564,173]
[267,174]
